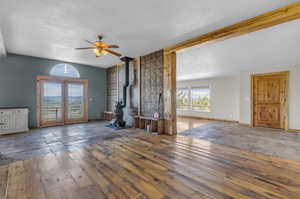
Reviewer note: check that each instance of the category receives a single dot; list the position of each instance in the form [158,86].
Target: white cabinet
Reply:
[13,120]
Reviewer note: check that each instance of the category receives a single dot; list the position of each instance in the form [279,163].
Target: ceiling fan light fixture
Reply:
[97,52]
[100,48]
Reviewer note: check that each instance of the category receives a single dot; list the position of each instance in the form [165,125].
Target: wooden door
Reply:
[269,92]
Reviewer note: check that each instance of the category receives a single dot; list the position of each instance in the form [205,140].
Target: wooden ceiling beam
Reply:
[269,19]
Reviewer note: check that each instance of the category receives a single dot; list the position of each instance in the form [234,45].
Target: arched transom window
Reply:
[65,70]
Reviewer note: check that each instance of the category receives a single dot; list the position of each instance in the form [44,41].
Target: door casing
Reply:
[285,74]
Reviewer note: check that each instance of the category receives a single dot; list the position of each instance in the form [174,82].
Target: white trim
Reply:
[3,52]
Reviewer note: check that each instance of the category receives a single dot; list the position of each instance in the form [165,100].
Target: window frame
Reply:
[56,73]
[208,106]
[190,100]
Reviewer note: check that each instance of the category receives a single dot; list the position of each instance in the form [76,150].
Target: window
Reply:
[183,101]
[200,98]
[65,70]
[196,99]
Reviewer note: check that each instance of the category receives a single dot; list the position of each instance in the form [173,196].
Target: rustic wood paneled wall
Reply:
[112,87]
[151,83]
[134,86]
[121,80]
[132,90]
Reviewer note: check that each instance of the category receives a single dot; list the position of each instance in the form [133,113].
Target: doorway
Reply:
[269,100]
[61,101]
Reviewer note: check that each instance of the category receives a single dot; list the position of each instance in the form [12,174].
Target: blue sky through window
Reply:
[52,89]
[75,90]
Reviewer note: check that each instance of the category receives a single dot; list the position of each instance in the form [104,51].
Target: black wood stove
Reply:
[119,121]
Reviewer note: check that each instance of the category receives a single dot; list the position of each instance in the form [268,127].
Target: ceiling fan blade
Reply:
[113,53]
[85,48]
[113,46]
[90,42]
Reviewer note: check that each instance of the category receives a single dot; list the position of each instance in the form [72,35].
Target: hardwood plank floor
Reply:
[186,123]
[274,142]
[41,141]
[147,166]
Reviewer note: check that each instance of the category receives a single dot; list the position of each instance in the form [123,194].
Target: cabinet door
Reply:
[21,119]
[6,118]
[1,121]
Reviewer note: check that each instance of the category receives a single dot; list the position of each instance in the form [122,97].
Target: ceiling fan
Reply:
[100,48]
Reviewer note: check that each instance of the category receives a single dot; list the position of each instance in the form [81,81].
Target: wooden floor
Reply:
[41,141]
[186,123]
[274,142]
[148,166]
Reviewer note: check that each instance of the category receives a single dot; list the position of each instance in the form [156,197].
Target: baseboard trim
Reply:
[232,121]
[91,120]
[244,124]
[294,130]
[96,120]
[206,118]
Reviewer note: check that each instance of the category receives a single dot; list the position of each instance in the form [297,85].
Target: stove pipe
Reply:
[127,61]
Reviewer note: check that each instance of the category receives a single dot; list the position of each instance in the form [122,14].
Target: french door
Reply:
[61,101]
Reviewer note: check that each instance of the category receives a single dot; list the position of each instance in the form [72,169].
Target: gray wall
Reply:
[18,83]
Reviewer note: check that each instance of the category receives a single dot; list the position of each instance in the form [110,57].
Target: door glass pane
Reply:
[52,101]
[75,101]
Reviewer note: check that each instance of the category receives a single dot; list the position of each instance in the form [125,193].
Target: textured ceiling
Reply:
[52,29]
[277,46]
